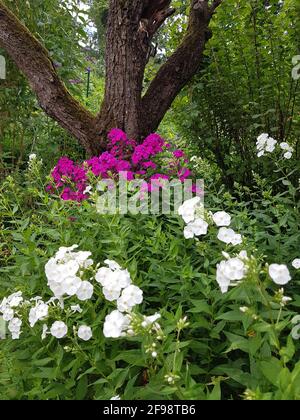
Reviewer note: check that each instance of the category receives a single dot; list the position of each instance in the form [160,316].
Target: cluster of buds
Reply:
[171,378]
[250,395]
[143,325]
[182,323]
[281,299]
[249,312]
[34,163]
[152,349]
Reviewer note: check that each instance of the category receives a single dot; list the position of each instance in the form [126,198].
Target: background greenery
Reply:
[244,87]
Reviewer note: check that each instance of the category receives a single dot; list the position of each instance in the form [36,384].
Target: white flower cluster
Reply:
[221,218]
[9,305]
[232,271]
[226,234]
[116,325]
[9,309]
[64,273]
[265,143]
[39,312]
[117,287]
[197,226]
[113,280]
[228,272]
[190,211]
[288,150]
[14,326]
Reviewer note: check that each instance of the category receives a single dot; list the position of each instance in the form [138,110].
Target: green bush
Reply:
[212,346]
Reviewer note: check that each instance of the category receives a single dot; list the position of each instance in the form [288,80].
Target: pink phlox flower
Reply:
[116,135]
[149,165]
[123,165]
[178,154]
[72,179]
[184,173]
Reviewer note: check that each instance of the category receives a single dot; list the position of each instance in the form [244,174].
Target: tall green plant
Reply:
[246,86]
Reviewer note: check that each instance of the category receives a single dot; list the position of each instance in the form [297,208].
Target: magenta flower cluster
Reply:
[70,179]
[153,159]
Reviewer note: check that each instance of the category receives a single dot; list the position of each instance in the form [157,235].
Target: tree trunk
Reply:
[126,59]
[131,26]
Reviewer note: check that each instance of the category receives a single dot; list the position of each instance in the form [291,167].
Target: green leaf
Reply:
[215,395]
[271,370]
[288,352]
[82,387]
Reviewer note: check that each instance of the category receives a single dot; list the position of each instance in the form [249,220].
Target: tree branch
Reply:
[215,5]
[154,14]
[179,68]
[160,17]
[34,61]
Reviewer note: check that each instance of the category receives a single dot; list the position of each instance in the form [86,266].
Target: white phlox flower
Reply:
[39,312]
[14,326]
[115,325]
[188,209]
[279,273]
[296,263]
[265,143]
[85,333]
[131,296]
[228,236]
[229,272]
[221,218]
[64,269]
[196,228]
[59,329]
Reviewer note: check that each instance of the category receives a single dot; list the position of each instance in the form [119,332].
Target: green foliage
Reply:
[245,87]
[218,353]
[23,125]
